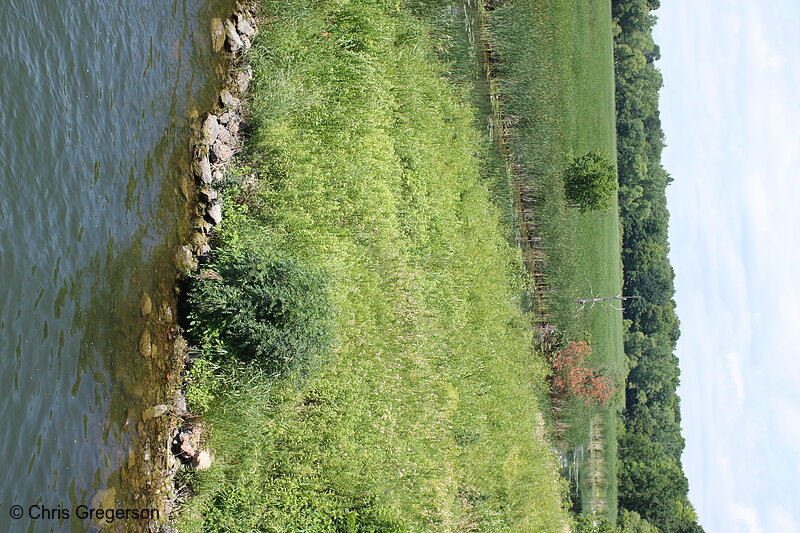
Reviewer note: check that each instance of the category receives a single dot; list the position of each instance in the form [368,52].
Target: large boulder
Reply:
[225,137]
[217,34]
[243,79]
[146,305]
[228,100]
[202,169]
[202,461]
[215,213]
[246,25]
[184,260]
[222,154]
[208,195]
[186,444]
[210,130]
[234,41]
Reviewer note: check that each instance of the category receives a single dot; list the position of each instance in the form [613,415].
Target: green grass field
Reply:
[555,69]
[364,165]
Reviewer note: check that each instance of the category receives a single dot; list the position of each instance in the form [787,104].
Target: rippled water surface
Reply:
[96,96]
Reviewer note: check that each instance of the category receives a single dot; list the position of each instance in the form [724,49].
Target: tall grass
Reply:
[425,414]
[555,70]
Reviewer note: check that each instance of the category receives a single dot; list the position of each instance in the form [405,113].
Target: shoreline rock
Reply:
[146,305]
[214,145]
[217,140]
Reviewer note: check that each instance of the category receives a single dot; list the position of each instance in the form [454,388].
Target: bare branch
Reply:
[605,298]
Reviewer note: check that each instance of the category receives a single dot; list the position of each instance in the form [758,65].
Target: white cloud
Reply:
[731,118]
[734,367]
[747,516]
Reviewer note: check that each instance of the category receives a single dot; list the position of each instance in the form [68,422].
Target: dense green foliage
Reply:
[590,181]
[553,60]
[629,522]
[632,522]
[652,482]
[264,308]
[425,413]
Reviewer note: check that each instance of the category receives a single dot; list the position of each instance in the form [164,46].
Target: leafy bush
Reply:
[201,385]
[592,523]
[265,307]
[571,376]
[591,181]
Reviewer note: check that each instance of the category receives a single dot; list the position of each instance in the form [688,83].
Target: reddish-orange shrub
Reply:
[571,376]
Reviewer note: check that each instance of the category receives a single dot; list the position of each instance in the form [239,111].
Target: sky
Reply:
[730,109]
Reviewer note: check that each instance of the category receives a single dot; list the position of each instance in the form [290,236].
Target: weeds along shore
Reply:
[361,358]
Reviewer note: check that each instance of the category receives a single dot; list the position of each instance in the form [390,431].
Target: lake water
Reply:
[94,140]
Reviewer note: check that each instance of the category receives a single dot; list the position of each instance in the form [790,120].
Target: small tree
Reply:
[571,376]
[590,181]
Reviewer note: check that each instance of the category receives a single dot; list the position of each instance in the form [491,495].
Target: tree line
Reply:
[651,478]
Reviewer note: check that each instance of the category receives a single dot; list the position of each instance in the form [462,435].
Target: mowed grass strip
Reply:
[425,414]
[555,71]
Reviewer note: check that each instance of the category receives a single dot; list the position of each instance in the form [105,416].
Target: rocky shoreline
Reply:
[217,138]
[176,437]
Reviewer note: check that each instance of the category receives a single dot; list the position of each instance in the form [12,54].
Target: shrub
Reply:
[265,307]
[590,181]
[571,376]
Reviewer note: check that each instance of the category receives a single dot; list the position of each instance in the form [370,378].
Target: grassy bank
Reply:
[554,65]
[394,387]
